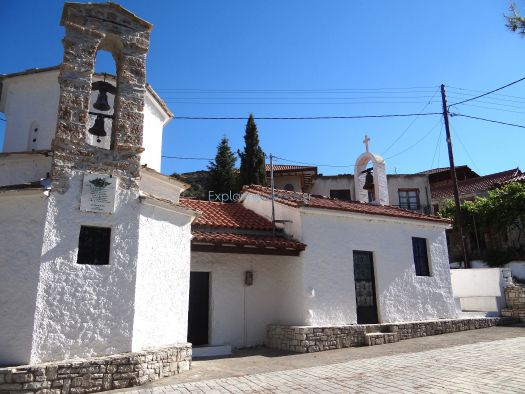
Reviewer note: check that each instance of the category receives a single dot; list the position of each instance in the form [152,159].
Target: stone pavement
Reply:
[493,366]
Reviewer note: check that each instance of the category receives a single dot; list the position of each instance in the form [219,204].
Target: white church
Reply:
[100,255]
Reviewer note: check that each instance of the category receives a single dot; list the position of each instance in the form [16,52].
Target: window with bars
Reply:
[94,245]
[419,248]
[409,199]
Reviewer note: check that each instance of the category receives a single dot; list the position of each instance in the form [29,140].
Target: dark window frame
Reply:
[408,204]
[420,253]
[337,193]
[94,245]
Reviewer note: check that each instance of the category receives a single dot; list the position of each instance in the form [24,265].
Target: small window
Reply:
[93,245]
[409,199]
[340,194]
[419,248]
[289,187]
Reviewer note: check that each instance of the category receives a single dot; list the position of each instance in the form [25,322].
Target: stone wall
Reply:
[308,339]
[515,297]
[97,374]
[89,28]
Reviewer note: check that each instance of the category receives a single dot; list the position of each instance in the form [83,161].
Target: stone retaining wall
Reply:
[515,297]
[98,373]
[303,339]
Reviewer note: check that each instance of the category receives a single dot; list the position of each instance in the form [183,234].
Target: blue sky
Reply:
[317,58]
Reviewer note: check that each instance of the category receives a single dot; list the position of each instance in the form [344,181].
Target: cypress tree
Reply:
[222,170]
[252,170]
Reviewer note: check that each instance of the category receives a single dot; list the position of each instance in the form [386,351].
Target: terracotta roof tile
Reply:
[222,215]
[476,185]
[259,241]
[296,199]
[286,167]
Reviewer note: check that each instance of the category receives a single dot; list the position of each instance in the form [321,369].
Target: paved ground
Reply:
[481,361]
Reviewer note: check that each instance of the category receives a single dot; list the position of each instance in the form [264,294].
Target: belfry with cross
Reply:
[370,183]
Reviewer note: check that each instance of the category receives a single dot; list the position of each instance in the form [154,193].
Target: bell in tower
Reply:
[102,113]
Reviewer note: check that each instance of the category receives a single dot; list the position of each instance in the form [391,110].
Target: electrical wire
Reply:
[438,142]
[489,120]
[416,143]
[411,123]
[481,91]
[303,117]
[456,134]
[186,158]
[339,90]
[487,93]
[311,164]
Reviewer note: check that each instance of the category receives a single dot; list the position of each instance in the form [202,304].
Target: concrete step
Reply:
[380,338]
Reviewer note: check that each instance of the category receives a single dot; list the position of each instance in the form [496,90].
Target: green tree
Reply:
[252,170]
[515,21]
[222,171]
[501,210]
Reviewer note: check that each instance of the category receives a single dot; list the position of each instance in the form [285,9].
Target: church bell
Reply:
[369,181]
[102,101]
[98,128]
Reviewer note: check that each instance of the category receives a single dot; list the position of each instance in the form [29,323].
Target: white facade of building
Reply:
[53,305]
[328,292]
[29,101]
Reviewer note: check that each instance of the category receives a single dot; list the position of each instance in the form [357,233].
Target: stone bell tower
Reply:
[88,29]
[87,292]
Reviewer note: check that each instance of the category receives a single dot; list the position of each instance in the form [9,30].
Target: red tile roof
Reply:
[296,199]
[475,185]
[233,224]
[221,215]
[259,241]
[287,168]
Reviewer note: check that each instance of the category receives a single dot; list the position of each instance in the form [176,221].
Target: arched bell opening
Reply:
[370,179]
[104,93]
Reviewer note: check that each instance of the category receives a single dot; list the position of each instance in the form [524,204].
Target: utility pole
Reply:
[273,194]
[453,176]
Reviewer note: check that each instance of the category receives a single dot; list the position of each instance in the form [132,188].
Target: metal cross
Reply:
[365,141]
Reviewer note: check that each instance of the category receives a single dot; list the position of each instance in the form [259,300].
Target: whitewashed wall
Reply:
[31,101]
[239,314]
[480,289]
[323,185]
[22,222]
[263,206]
[517,267]
[85,310]
[281,181]
[160,185]
[401,295]
[162,287]
[23,168]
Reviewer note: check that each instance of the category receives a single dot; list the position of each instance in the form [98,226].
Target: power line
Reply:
[416,143]
[485,94]
[456,134]
[490,120]
[302,117]
[481,91]
[186,158]
[292,103]
[314,165]
[411,123]
[438,144]
[342,90]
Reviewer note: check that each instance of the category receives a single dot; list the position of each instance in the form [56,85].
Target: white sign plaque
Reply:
[98,193]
